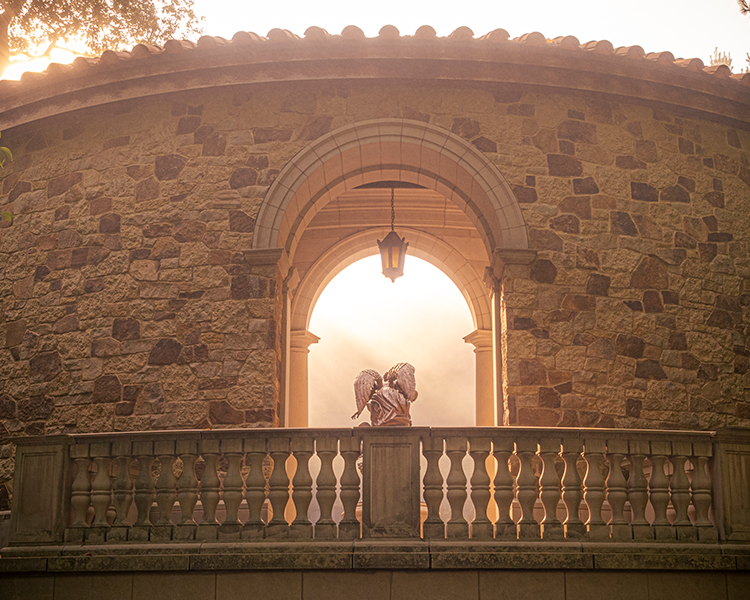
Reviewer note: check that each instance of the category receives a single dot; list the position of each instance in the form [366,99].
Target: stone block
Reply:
[174,586]
[587,585]
[522,585]
[738,585]
[320,585]
[687,586]
[435,585]
[263,585]
[94,586]
[27,587]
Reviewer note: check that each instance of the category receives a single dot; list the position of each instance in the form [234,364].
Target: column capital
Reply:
[505,256]
[510,256]
[481,339]
[301,339]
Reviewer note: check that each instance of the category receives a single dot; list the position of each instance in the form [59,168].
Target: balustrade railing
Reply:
[303,484]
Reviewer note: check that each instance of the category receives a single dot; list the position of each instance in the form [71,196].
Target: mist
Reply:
[365,321]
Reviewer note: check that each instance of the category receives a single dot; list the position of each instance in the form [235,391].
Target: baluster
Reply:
[80,497]
[255,488]
[638,491]
[549,484]
[617,491]
[302,487]
[232,450]
[122,491]
[505,528]
[144,491]
[479,450]
[349,527]
[659,490]
[166,491]
[593,488]
[101,487]
[701,489]
[456,527]
[278,494]
[208,529]
[326,487]
[526,489]
[187,485]
[680,488]
[572,493]
[433,527]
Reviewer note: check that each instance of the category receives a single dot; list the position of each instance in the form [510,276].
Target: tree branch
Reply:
[48,53]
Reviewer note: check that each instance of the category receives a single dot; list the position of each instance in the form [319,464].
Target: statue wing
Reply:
[403,376]
[365,384]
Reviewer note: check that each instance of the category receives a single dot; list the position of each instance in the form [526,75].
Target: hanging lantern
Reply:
[393,250]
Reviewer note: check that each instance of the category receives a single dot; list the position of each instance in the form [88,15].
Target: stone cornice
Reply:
[529,62]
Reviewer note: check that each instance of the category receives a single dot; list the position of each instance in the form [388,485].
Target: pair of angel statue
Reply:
[387,398]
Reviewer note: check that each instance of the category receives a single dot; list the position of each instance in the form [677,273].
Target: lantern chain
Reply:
[393,212]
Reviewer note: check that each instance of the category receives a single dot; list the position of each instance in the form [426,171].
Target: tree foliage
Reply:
[721,58]
[26,25]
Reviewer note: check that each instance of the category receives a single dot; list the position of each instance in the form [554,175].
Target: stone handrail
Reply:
[409,483]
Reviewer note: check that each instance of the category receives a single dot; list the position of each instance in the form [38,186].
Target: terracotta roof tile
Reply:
[352,32]
[391,33]
[496,35]
[630,52]
[534,39]
[461,34]
[569,41]
[425,32]
[561,51]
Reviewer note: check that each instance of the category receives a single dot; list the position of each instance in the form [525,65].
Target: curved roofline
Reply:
[560,65]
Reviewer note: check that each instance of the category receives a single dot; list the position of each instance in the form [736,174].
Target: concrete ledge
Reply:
[367,555]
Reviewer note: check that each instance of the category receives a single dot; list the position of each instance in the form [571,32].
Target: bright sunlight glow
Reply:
[366,322]
[688,29]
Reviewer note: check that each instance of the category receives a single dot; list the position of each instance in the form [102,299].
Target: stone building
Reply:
[179,210]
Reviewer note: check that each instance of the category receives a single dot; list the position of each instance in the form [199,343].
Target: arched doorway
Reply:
[454,207]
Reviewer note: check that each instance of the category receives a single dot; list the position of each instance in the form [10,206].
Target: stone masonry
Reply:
[127,304]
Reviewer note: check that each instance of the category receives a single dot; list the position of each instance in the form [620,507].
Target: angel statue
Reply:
[388,397]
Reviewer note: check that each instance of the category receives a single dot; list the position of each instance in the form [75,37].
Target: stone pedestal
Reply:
[42,476]
[390,482]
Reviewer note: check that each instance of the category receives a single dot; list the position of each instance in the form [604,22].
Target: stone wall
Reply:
[635,313]
[128,304]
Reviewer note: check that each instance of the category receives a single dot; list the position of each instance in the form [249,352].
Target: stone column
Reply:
[494,280]
[299,348]
[484,377]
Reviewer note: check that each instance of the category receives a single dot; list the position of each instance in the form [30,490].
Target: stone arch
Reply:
[421,244]
[390,150]
[410,152]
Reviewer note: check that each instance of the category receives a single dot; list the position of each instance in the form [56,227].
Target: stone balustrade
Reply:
[502,484]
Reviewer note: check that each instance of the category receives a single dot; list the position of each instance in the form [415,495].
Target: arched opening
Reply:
[365,321]
[453,205]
